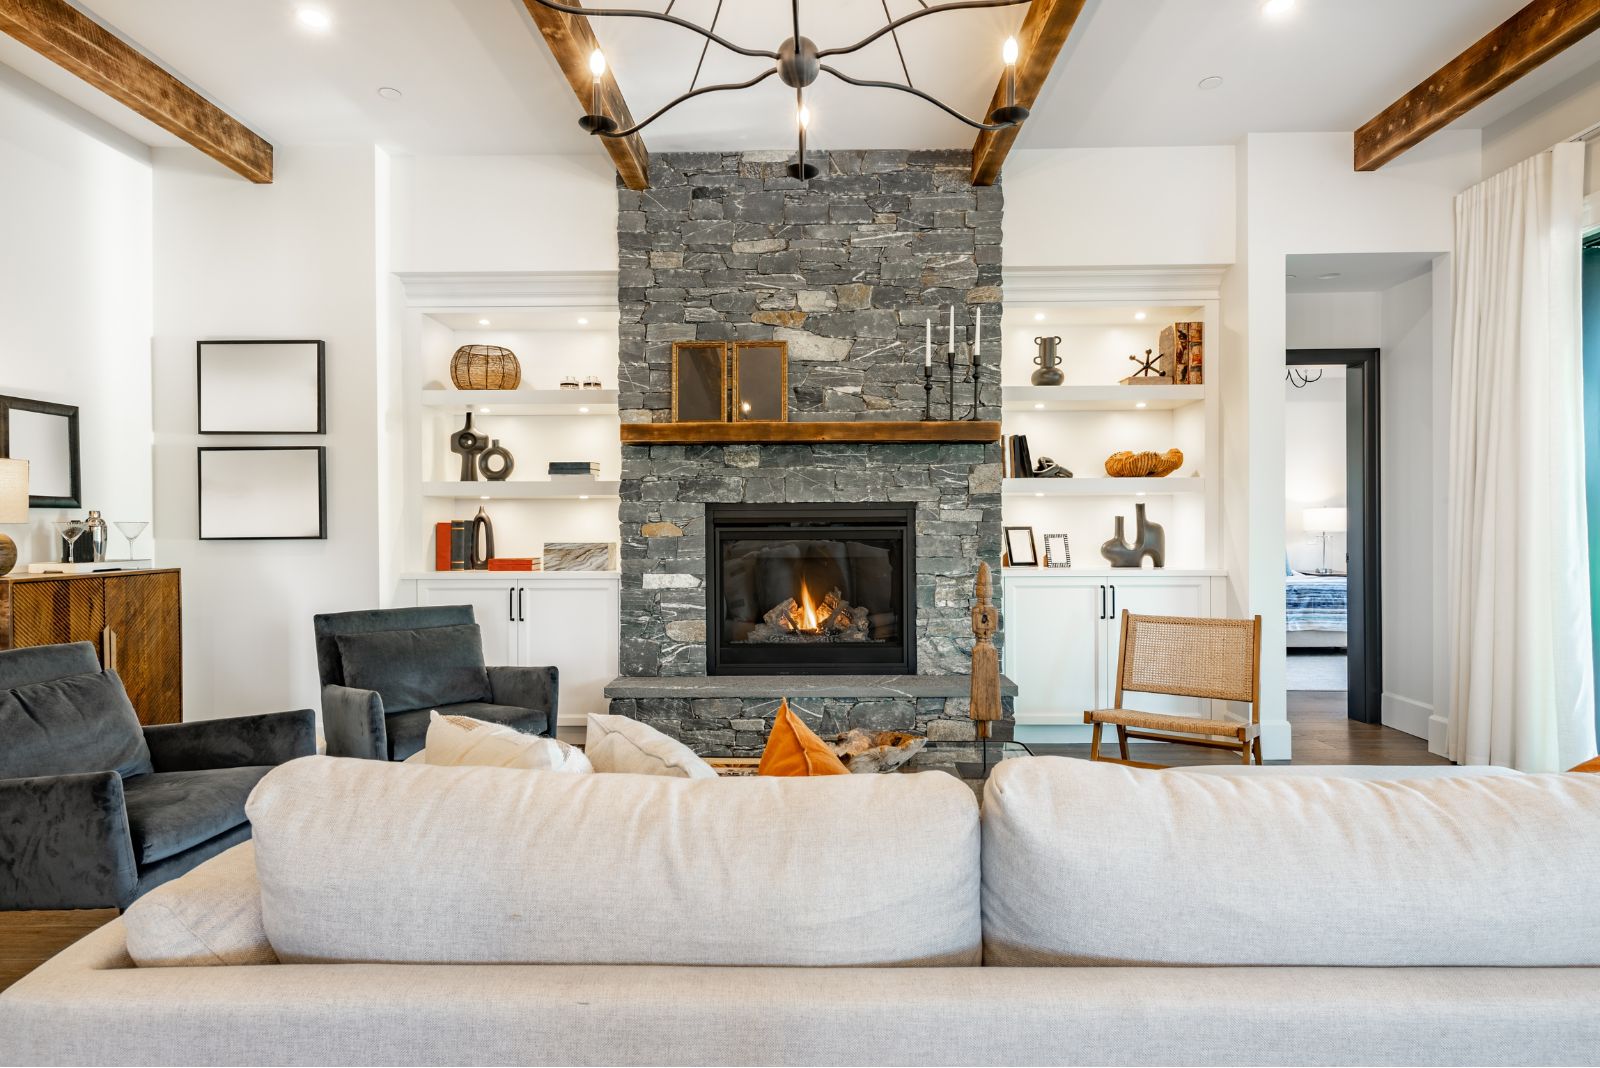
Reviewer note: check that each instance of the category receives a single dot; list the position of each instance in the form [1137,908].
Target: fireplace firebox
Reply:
[811,589]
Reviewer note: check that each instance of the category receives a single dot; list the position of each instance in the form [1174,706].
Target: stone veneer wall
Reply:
[846,269]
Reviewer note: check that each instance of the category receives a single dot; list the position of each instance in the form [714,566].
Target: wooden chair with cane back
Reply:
[1212,659]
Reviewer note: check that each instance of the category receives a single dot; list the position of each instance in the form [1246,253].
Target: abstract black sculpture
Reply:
[468,443]
[1150,540]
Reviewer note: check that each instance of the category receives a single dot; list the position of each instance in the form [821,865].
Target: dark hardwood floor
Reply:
[1322,735]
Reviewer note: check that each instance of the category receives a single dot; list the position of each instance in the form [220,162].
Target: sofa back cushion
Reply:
[494,865]
[1089,863]
[208,916]
[73,724]
[421,668]
[622,744]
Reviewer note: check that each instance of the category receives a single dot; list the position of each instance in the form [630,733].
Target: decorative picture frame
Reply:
[262,492]
[1020,552]
[699,381]
[46,435]
[1057,551]
[261,387]
[760,381]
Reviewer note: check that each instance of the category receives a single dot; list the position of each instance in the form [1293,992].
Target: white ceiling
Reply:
[1356,272]
[477,80]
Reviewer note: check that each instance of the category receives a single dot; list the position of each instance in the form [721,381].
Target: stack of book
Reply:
[571,468]
[452,550]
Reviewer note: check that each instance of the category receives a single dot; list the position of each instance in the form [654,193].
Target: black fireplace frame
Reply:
[827,519]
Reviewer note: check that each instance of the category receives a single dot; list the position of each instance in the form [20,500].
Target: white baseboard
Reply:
[1437,727]
[1404,714]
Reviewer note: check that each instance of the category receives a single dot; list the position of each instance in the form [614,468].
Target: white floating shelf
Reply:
[524,401]
[1101,487]
[1022,399]
[555,489]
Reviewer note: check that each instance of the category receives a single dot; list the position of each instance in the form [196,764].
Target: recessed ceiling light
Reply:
[582,321]
[1139,316]
[1330,276]
[1277,8]
[1038,495]
[1038,317]
[485,411]
[583,411]
[389,92]
[483,322]
[1291,276]
[484,497]
[1210,81]
[1138,494]
[583,496]
[315,19]
[1140,404]
[1040,406]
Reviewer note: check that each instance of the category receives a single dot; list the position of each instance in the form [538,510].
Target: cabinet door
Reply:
[494,606]
[56,611]
[1054,649]
[1155,597]
[573,626]
[144,638]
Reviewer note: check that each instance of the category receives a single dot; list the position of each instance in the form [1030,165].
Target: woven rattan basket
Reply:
[485,367]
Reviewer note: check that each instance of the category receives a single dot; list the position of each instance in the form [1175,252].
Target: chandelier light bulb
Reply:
[1008,51]
[597,63]
[804,117]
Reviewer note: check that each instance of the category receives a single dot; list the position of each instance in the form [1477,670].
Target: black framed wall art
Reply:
[45,435]
[263,492]
[262,387]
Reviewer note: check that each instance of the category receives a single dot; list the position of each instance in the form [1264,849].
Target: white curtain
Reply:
[1522,680]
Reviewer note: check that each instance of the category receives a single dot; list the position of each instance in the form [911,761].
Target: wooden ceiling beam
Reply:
[1518,45]
[1039,42]
[69,38]
[571,40]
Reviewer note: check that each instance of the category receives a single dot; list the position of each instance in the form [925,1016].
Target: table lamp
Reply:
[13,507]
[1325,521]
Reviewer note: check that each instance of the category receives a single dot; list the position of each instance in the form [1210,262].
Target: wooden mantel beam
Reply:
[63,34]
[1518,45]
[571,40]
[1039,42]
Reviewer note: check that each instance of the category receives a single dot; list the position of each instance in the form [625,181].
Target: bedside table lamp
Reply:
[13,507]
[1325,521]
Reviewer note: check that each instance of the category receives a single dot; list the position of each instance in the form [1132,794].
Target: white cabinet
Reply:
[1062,632]
[567,619]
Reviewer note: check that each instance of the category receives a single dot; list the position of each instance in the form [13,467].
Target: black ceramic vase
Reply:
[1150,539]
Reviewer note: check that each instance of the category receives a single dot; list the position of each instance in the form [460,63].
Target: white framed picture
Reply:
[263,492]
[261,387]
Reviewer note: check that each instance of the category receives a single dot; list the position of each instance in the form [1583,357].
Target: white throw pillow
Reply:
[621,743]
[459,740]
[208,916]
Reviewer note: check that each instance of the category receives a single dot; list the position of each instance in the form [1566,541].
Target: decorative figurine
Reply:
[496,462]
[1147,366]
[1048,468]
[482,541]
[1049,361]
[468,443]
[1150,540]
[984,706]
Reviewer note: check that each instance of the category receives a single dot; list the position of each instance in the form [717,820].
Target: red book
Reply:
[441,546]
[511,563]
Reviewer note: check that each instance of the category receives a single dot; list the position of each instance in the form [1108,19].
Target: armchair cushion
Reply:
[76,723]
[171,811]
[65,843]
[421,668]
[408,732]
[238,742]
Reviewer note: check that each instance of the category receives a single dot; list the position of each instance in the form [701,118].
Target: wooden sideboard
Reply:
[134,619]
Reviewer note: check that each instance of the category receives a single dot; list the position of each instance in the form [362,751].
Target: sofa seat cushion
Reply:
[408,731]
[843,870]
[419,668]
[171,811]
[209,916]
[73,724]
[1371,772]
[1093,863]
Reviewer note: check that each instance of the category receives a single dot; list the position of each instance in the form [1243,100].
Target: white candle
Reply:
[952,328]
[977,333]
[927,354]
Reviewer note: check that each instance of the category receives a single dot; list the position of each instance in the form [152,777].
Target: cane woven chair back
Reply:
[1218,659]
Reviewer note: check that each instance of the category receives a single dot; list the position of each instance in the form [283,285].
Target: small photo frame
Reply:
[261,387]
[1057,551]
[1020,549]
[699,382]
[263,492]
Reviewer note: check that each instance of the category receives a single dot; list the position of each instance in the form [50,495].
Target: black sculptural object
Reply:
[482,541]
[1150,539]
[496,463]
[468,443]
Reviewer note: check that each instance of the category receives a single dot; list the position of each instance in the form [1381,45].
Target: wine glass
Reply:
[70,530]
[130,530]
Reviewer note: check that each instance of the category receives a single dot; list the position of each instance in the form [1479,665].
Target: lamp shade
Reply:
[13,491]
[1325,519]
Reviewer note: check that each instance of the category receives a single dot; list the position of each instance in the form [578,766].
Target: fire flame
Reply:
[808,611]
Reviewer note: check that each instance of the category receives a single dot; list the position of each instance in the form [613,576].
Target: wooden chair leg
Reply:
[1122,741]
[1244,750]
[1094,743]
[1257,748]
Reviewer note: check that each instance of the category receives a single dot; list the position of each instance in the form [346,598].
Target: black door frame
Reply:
[1364,559]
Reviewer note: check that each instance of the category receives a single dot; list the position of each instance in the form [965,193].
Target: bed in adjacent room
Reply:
[1316,611]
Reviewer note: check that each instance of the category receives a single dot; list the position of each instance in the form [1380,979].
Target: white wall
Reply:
[1314,466]
[1564,112]
[294,259]
[75,293]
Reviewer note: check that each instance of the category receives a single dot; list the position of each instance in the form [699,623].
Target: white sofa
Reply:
[1121,917]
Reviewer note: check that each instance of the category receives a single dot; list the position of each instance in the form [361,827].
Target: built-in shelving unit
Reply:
[524,401]
[1101,487]
[555,489]
[1112,398]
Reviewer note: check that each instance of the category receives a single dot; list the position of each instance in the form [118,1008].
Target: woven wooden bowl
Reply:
[1144,464]
[485,367]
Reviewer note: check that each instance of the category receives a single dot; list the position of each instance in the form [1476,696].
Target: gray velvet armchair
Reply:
[94,809]
[384,670]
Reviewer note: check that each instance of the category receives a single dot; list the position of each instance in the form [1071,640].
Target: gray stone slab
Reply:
[626,687]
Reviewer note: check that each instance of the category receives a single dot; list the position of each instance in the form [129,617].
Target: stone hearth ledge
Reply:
[798,686]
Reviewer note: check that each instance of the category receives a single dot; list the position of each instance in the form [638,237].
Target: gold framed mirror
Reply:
[699,381]
[761,381]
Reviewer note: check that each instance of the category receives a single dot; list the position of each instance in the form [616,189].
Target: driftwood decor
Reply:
[1144,464]
[985,704]
[872,752]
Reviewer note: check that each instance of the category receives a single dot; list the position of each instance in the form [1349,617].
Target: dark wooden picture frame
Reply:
[1011,546]
[322,492]
[69,412]
[684,402]
[200,388]
[735,376]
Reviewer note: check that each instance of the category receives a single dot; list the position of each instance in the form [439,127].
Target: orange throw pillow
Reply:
[794,749]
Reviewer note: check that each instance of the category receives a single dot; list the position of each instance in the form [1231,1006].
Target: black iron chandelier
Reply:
[797,62]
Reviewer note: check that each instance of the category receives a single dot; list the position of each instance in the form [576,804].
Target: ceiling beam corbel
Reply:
[1520,44]
[1039,41]
[76,43]
[571,40]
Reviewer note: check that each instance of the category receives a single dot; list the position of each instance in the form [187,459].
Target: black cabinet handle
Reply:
[511,608]
[1102,602]
[1113,603]
[520,617]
